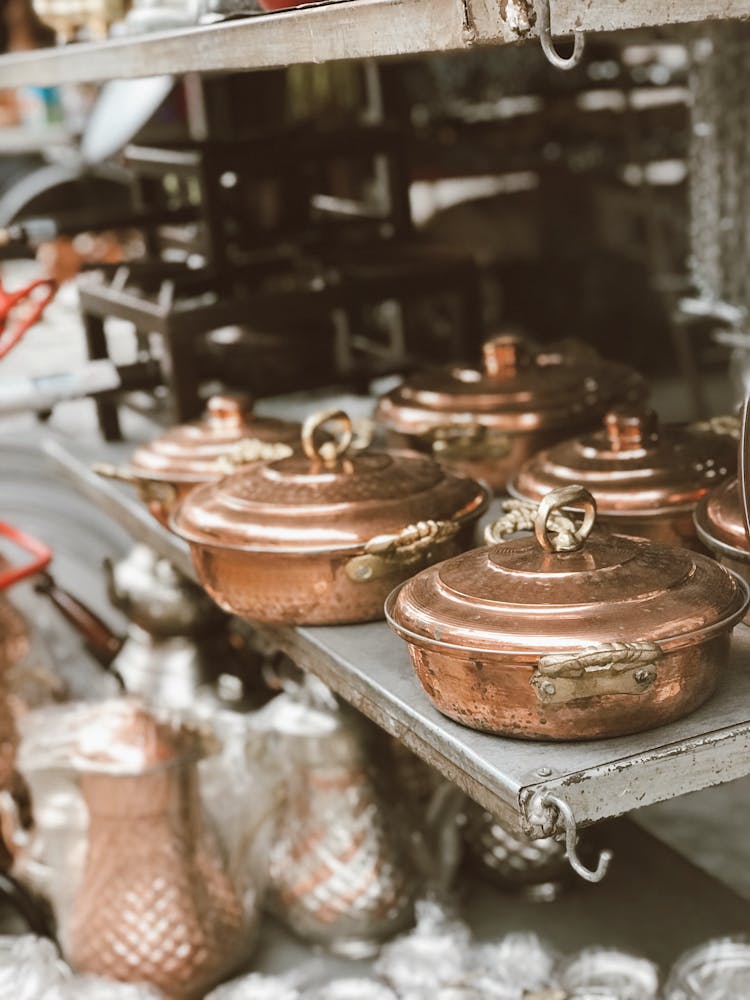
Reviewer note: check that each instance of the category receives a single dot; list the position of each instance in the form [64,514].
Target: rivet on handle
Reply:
[327,451]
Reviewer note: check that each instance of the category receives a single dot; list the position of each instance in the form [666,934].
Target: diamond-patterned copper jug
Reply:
[340,872]
[155,903]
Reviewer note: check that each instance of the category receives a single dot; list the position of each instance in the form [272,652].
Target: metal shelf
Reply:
[369,667]
[343,29]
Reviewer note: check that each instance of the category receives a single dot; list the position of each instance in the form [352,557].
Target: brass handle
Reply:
[727,425]
[518,516]
[151,490]
[413,544]
[610,668]
[522,515]
[547,530]
[329,451]
[250,450]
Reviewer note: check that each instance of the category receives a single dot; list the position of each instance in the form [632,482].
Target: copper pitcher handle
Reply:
[412,544]
[328,452]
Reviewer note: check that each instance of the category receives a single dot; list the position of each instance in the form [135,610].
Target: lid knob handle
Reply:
[564,535]
[330,450]
[504,354]
[629,430]
[229,411]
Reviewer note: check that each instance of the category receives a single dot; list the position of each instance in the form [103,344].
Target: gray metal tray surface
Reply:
[369,667]
[343,29]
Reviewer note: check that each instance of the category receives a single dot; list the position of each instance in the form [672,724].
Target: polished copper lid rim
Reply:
[717,545]
[462,516]
[602,511]
[728,621]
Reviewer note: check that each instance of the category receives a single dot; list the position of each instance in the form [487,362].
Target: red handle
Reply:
[9,339]
[42,556]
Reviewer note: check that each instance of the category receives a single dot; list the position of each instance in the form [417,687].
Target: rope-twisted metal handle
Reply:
[412,539]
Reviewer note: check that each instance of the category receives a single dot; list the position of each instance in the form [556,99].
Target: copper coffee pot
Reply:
[155,903]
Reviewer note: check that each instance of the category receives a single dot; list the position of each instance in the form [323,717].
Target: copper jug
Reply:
[155,903]
[340,873]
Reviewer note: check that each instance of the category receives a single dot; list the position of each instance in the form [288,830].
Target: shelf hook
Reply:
[549,801]
[548,45]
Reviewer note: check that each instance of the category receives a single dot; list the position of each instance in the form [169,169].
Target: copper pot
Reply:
[321,538]
[646,477]
[569,634]
[488,422]
[227,437]
[720,526]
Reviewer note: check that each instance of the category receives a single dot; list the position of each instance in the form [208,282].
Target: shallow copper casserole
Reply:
[647,478]
[228,436]
[488,422]
[322,537]
[571,633]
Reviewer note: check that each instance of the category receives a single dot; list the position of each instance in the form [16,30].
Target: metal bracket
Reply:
[548,45]
[546,813]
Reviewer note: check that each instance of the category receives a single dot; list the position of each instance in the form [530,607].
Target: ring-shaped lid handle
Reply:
[331,450]
[568,539]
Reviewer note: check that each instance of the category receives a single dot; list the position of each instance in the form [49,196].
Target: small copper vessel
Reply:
[647,478]
[321,538]
[228,436]
[571,633]
[155,903]
[487,422]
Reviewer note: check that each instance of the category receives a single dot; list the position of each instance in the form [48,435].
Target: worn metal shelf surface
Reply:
[369,666]
[344,29]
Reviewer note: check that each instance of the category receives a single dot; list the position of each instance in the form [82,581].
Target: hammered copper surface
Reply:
[155,903]
[487,422]
[613,636]
[323,537]
[646,478]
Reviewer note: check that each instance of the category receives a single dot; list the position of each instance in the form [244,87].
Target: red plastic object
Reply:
[8,300]
[270,5]
[42,556]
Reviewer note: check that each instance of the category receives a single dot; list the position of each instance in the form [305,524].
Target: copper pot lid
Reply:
[634,465]
[228,435]
[565,587]
[719,521]
[327,498]
[517,388]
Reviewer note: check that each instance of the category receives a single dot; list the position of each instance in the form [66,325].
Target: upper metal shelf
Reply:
[344,29]
[369,667]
